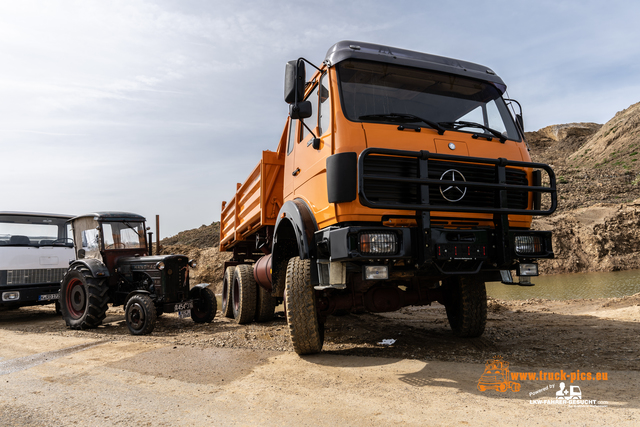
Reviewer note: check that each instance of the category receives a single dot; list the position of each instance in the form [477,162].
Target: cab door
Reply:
[309,163]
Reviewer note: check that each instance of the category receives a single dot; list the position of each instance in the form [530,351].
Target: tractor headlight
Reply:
[160,266]
[378,243]
[192,263]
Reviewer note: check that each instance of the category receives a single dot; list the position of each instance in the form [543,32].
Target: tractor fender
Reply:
[136,292]
[95,266]
[294,236]
[196,290]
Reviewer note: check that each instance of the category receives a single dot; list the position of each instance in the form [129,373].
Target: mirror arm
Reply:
[315,141]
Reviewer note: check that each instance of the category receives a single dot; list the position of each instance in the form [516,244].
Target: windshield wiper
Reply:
[462,124]
[403,118]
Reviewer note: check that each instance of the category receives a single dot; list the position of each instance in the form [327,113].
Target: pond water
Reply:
[571,286]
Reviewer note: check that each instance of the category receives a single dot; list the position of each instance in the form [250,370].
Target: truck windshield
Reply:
[380,92]
[27,230]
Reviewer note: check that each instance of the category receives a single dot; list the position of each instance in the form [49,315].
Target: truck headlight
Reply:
[376,272]
[528,245]
[378,243]
[10,296]
[192,263]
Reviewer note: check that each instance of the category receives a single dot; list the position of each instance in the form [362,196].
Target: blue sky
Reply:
[160,107]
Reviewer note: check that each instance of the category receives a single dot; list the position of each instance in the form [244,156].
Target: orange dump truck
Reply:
[401,178]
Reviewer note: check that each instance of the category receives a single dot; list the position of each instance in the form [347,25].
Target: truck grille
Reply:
[32,276]
[401,193]
[413,180]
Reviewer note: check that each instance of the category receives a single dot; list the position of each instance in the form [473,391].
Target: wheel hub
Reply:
[136,315]
[77,297]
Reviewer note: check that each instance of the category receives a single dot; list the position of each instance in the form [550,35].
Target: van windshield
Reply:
[28,230]
[380,92]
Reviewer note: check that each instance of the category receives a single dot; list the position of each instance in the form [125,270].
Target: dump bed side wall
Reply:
[256,202]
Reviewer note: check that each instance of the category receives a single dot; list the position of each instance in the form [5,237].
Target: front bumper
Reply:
[19,296]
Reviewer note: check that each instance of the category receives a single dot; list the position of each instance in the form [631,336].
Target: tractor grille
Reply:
[389,192]
[32,276]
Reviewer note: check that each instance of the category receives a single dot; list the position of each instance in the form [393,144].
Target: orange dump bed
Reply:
[256,203]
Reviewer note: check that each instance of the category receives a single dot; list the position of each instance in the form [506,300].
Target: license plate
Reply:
[184,314]
[183,306]
[49,297]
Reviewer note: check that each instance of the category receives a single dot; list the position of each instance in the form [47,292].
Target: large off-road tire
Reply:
[140,314]
[265,305]
[307,334]
[204,310]
[83,299]
[227,285]
[243,294]
[466,303]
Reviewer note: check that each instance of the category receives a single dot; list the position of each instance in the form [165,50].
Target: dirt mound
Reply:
[616,144]
[601,237]
[207,236]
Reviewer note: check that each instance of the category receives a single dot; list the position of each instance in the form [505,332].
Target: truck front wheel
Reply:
[465,299]
[307,333]
[83,299]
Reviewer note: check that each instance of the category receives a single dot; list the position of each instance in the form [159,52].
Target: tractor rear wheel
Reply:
[83,299]
[227,284]
[243,294]
[465,299]
[307,333]
[140,314]
[205,309]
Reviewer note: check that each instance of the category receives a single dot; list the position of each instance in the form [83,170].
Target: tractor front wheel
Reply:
[140,314]
[204,310]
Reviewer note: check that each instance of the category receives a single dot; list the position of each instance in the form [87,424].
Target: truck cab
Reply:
[401,178]
[35,251]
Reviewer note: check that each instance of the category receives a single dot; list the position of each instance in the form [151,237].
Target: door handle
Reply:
[295,172]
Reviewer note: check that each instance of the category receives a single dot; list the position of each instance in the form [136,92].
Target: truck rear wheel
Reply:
[140,314]
[205,310]
[466,304]
[265,305]
[83,299]
[227,284]
[243,294]
[307,333]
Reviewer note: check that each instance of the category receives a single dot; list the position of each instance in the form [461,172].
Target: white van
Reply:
[35,250]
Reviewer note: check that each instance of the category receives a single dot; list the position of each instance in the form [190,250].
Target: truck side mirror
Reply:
[294,80]
[300,110]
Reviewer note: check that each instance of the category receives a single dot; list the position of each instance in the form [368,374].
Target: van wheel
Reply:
[465,299]
[140,314]
[265,305]
[243,294]
[83,299]
[227,284]
[205,310]
[307,333]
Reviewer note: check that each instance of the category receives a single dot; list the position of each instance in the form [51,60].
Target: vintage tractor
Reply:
[113,265]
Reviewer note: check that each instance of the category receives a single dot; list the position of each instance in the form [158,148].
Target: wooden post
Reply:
[157,234]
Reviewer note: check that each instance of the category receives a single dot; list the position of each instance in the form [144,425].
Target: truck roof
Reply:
[42,214]
[112,216]
[348,49]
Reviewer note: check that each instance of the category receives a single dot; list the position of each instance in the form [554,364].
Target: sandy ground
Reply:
[225,374]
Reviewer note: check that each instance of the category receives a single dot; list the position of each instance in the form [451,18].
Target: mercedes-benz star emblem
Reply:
[453,193]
